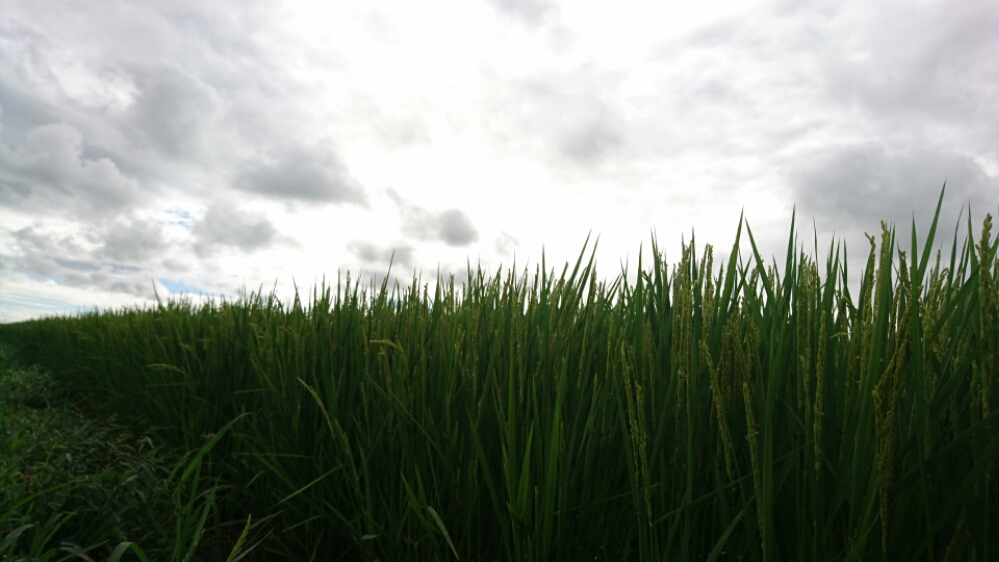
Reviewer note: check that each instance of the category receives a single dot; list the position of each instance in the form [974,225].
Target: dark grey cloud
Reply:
[225,226]
[405,267]
[33,240]
[20,112]
[452,226]
[176,266]
[113,257]
[46,84]
[854,186]
[44,255]
[371,253]
[77,265]
[375,259]
[48,173]
[937,63]
[456,229]
[104,111]
[173,89]
[299,173]
[132,242]
[173,110]
[24,75]
[129,165]
[814,71]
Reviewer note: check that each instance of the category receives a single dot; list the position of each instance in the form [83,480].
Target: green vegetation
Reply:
[750,414]
[72,488]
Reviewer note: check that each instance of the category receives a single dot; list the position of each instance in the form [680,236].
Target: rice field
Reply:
[746,412]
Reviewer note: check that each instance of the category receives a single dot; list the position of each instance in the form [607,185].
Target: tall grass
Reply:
[747,413]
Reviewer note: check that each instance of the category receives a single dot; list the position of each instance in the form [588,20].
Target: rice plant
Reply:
[746,412]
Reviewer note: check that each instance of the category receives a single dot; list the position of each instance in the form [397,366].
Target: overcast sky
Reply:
[203,147]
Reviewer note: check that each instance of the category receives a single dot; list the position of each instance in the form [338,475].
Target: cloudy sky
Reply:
[203,147]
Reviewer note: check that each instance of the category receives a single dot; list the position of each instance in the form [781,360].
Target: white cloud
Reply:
[48,174]
[225,226]
[173,111]
[134,241]
[297,173]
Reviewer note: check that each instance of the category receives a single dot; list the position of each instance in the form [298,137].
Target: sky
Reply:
[204,148]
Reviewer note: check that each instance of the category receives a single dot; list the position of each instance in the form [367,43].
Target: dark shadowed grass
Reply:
[746,412]
[74,487]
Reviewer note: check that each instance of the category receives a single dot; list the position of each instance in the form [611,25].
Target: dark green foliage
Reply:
[749,414]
